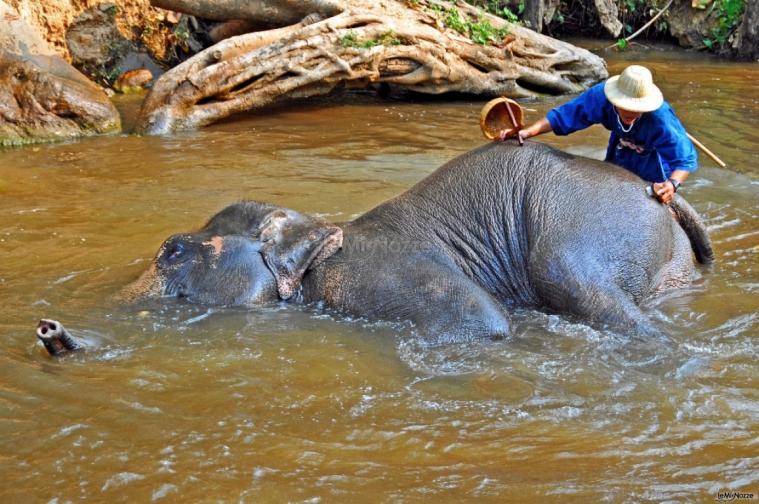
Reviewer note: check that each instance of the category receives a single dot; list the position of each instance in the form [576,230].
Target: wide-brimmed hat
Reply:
[634,90]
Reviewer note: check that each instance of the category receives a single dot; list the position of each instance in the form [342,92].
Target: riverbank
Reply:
[128,45]
[726,27]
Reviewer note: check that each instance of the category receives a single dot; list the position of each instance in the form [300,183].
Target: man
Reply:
[646,138]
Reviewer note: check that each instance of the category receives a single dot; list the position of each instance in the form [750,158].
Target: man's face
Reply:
[627,117]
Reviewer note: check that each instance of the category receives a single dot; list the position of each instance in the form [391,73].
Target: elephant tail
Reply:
[694,227]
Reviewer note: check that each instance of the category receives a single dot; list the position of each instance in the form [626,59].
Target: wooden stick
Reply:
[706,151]
[628,39]
[514,123]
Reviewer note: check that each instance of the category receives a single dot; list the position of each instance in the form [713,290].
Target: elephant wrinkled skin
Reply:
[501,226]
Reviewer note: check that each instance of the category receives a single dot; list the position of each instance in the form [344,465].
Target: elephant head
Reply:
[249,253]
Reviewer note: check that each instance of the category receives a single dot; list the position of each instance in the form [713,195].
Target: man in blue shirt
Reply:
[646,138]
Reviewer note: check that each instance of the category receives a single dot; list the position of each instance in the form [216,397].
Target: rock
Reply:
[42,97]
[695,26]
[691,26]
[607,14]
[100,50]
[173,17]
[133,80]
[51,18]
[93,38]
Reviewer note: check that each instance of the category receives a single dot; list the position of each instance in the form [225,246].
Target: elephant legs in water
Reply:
[443,304]
[455,309]
[593,297]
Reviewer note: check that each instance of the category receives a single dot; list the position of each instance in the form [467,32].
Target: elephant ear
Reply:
[293,243]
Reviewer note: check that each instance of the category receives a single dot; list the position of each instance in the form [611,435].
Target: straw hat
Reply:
[634,90]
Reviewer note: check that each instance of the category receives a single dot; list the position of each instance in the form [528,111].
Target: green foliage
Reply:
[483,33]
[500,9]
[388,38]
[435,9]
[636,13]
[453,20]
[729,14]
[480,32]
[182,32]
[350,39]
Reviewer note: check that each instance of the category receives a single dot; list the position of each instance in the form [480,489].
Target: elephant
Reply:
[499,227]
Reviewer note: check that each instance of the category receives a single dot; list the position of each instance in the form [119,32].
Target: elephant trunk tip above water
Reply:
[499,227]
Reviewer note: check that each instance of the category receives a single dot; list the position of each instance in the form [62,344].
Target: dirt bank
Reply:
[52,18]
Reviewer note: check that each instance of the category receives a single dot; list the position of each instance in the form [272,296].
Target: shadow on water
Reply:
[179,402]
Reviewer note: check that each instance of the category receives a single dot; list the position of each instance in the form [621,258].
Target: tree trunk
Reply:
[278,13]
[368,42]
[549,9]
[747,41]
[533,14]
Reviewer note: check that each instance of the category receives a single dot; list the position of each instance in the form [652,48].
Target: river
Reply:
[180,403]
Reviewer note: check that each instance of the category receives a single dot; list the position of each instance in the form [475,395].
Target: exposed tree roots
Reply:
[367,42]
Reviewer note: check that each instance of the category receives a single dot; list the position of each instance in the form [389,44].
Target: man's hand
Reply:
[537,128]
[664,191]
[505,136]
[523,135]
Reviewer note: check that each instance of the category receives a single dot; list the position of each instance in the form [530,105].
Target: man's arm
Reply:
[579,113]
[665,191]
[675,148]
[537,128]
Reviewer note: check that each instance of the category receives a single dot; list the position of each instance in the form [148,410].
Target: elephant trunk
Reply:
[148,285]
[56,338]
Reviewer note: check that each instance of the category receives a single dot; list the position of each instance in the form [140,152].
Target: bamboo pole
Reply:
[706,151]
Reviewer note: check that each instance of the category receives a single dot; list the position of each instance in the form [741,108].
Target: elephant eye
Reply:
[175,252]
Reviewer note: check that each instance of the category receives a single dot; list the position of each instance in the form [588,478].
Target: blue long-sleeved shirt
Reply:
[655,146]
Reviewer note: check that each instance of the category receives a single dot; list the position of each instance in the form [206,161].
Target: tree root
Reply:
[363,44]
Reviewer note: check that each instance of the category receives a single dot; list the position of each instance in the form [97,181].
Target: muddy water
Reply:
[182,403]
